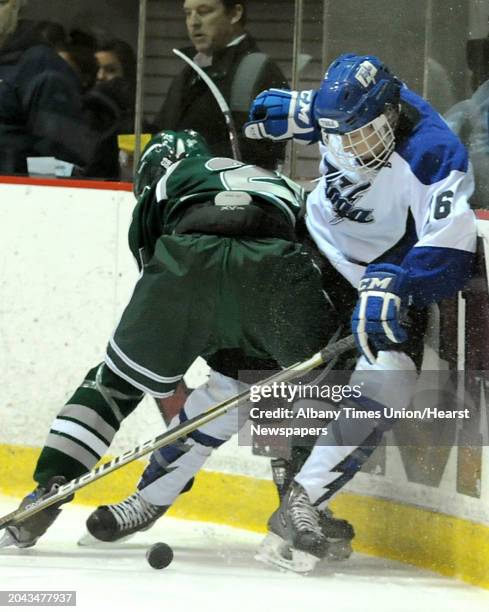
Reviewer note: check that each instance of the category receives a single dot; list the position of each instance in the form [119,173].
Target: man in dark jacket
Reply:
[220,43]
[40,99]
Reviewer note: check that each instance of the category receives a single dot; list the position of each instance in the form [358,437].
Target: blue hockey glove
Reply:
[376,319]
[280,114]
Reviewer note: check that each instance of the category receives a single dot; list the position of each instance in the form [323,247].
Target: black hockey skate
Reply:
[295,540]
[117,521]
[339,533]
[26,533]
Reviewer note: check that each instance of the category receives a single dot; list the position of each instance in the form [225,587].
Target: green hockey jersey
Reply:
[214,195]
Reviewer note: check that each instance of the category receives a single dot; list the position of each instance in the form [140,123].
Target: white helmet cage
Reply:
[367,148]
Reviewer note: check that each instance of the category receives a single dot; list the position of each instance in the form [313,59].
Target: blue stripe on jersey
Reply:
[199,436]
[432,149]
[436,273]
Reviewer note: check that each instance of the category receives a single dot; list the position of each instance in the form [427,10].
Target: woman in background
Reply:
[116,78]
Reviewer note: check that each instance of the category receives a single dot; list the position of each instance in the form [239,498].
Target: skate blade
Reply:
[7,539]
[89,541]
[276,552]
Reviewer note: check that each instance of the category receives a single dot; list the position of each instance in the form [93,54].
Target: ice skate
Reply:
[114,522]
[27,532]
[339,534]
[295,540]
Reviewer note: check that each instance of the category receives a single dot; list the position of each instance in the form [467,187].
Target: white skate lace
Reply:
[133,512]
[303,515]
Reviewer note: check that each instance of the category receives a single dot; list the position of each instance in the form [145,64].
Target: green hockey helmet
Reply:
[162,151]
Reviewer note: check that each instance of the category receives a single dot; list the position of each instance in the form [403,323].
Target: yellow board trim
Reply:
[127,142]
[445,544]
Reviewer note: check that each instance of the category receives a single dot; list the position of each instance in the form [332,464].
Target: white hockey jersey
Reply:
[414,212]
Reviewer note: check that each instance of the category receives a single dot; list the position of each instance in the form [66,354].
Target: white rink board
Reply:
[66,273]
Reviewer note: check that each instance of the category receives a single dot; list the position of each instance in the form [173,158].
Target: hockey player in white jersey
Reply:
[391,214]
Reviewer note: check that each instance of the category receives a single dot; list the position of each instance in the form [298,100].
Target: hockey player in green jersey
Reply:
[221,270]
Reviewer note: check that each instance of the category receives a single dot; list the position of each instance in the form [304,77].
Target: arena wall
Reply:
[66,275]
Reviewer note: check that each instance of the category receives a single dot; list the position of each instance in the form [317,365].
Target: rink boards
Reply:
[66,276]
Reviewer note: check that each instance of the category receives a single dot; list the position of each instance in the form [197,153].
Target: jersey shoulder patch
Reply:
[432,150]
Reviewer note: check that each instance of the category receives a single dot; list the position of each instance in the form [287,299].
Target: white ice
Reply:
[214,570]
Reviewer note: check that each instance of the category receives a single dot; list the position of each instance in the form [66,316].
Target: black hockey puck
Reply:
[159,555]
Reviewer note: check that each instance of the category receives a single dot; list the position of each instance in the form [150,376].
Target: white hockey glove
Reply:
[280,114]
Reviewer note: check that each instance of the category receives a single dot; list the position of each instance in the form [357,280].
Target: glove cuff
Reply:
[306,130]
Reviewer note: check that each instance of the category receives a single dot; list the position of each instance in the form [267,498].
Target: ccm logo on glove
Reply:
[376,320]
[368,284]
[280,114]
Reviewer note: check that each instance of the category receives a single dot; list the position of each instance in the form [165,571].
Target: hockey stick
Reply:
[223,105]
[293,371]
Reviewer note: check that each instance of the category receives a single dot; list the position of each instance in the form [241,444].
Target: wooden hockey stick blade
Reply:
[223,105]
[288,374]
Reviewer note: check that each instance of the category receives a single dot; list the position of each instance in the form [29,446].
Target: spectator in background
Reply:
[109,104]
[477,54]
[107,74]
[53,33]
[440,89]
[221,45]
[116,77]
[40,98]
[116,59]
[101,111]
[78,50]
[469,119]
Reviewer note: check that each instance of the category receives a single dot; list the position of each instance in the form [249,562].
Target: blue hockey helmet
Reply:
[355,90]
[356,109]
[163,150]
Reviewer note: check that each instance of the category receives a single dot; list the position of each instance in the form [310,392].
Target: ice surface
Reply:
[214,570]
